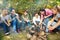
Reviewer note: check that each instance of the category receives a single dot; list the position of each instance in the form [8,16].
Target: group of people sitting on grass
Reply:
[45,18]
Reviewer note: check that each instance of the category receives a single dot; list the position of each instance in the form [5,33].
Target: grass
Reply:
[22,36]
[54,36]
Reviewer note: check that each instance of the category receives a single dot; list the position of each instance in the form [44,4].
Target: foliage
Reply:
[31,5]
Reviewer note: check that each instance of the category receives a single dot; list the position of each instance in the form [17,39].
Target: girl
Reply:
[5,20]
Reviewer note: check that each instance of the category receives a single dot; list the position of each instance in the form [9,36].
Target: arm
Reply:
[18,18]
[57,24]
[8,24]
[25,19]
[41,19]
[53,27]
[47,16]
[52,19]
[34,21]
[50,22]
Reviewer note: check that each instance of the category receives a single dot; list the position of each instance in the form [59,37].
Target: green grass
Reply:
[1,35]
[20,36]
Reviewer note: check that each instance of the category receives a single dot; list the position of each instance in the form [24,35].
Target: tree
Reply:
[31,5]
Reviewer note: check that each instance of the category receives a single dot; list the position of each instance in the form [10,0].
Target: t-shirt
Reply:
[36,19]
[13,16]
[57,16]
[25,18]
[48,12]
[55,21]
[5,18]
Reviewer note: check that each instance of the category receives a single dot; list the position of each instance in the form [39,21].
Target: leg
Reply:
[23,25]
[29,24]
[46,22]
[14,25]
[6,28]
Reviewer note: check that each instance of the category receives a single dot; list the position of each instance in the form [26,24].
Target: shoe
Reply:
[7,33]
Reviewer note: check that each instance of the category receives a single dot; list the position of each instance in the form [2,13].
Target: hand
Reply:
[36,25]
[8,24]
[45,17]
[40,23]
[51,28]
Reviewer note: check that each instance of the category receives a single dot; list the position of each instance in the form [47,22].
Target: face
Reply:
[42,12]
[13,12]
[5,12]
[54,11]
[25,13]
[36,15]
[58,7]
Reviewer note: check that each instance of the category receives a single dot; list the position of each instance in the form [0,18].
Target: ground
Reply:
[22,36]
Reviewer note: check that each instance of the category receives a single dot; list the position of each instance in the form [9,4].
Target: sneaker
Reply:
[7,33]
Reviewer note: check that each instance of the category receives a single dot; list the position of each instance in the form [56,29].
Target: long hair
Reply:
[42,9]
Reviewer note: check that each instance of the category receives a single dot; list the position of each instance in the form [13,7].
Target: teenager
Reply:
[19,23]
[54,23]
[36,19]
[5,21]
[13,16]
[43,18]
[25,20]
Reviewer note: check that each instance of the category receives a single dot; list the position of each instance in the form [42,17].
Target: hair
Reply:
[58,9]
[42,9]
[35,13]
[13,9]
[26,11]
[55,8]
[4,9]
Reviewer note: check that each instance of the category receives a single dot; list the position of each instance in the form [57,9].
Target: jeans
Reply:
[46,22]
[19,25]
[13,24]
[28,24]
[1,24]
[58,27]
[6,28]
[24,24]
